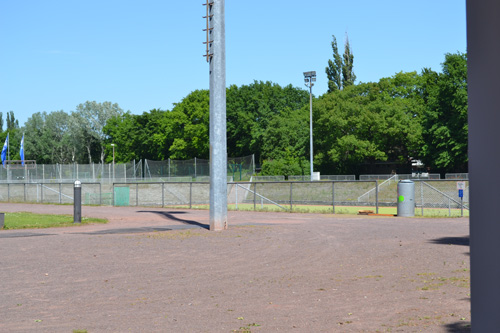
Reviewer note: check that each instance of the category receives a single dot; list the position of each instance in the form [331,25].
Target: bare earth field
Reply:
[161,270]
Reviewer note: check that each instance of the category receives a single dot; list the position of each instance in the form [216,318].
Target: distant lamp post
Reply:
[309,78]
[113,145]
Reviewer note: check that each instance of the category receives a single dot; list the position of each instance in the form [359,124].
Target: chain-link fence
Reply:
[432,197]
[197,169]
[238,168]
[68,173]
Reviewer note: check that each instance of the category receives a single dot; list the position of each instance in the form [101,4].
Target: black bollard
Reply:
[77,202]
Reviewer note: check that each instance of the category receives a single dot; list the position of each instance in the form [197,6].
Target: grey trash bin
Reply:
[406,198]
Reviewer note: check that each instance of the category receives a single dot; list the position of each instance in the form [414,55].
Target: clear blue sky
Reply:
[147,54]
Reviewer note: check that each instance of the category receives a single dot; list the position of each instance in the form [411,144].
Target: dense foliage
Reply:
[355,127]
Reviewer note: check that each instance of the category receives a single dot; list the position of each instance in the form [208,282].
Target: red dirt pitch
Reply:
[161,270]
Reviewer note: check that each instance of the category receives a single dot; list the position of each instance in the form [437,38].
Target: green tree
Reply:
[445,119]
[48,139]
[366,123]
[284,143]
[250,109]
[348,76]
[287,134]
[334,68]
[88,122]
[188,126]
[12,122]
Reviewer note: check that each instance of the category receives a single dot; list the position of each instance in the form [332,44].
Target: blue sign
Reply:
[460,193]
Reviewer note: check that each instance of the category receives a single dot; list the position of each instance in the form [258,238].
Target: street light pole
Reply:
[309,78]
[113,145]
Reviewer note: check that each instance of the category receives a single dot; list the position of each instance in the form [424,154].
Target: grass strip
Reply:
[25,220]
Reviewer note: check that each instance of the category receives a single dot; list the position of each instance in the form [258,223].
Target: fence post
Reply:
[25,193]
[333,196]
[100,194]
[236,196]
[8,192]
[163,194]
[462,206]
[113,194]
[291,197]
[60,194]
[422,196]
[137,194]
[191,192]
[41,192]
[376,196]
[449,207]
[254,196]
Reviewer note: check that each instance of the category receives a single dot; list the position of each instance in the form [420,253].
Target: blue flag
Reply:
[4,150]
[22,151]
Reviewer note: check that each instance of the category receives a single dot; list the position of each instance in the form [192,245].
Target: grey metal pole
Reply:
[462,206]
[311,127]
[218,144]
[77,202]
[483,70]
[113,145]
[376,196]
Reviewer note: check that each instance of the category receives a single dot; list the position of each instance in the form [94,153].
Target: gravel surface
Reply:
[161,270]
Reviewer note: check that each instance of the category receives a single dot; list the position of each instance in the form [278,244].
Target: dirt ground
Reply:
[161,270]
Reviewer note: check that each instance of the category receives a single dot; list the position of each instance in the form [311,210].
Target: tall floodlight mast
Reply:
[309,79]
[216,57]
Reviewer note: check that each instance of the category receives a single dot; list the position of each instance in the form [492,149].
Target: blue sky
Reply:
[147,54]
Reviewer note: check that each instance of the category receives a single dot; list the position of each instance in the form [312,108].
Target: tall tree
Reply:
[48,139]
[12,122]
[88,122]
[348,76]
[334,68]
[445,119]
[189,126]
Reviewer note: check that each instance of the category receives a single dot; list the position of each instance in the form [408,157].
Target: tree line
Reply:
[357,127]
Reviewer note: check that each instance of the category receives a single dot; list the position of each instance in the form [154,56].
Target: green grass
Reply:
[24,220]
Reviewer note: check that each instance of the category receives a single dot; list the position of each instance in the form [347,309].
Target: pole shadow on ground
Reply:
[171,216]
